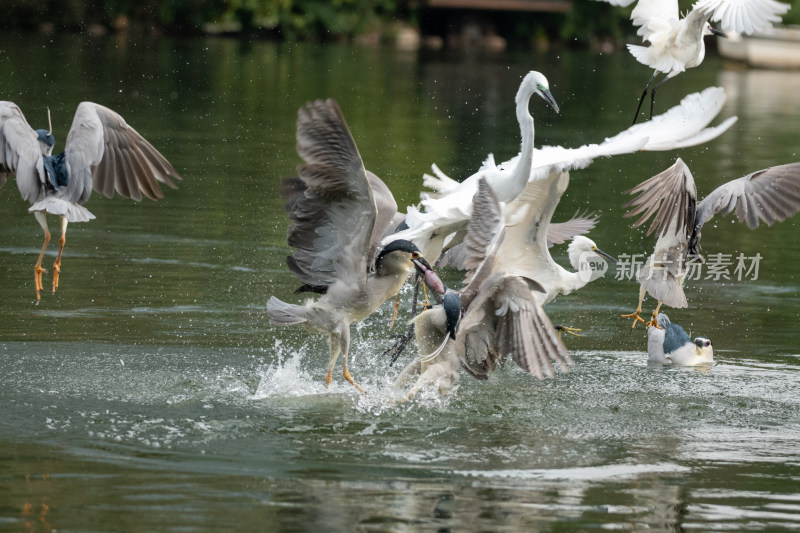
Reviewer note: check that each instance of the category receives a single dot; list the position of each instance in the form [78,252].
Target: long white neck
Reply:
[692,33]
[572,281]
[517,179]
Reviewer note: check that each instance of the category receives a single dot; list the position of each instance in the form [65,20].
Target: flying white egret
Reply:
[102,153]
[447,212]
[501,312]
[430,229]
[338,211]
[669,344]
[677,43]
[770,195]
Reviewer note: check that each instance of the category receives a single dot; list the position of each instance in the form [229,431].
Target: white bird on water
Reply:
[669,344]
[446,212]
[770,195]
[102,153]
[677,43]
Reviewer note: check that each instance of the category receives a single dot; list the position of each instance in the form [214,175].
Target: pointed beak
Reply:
[718,33]
[548,97]
[604,255]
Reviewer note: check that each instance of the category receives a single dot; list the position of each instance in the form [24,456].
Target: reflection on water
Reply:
[150,393]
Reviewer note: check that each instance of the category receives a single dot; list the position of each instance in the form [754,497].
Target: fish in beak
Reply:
[431,278]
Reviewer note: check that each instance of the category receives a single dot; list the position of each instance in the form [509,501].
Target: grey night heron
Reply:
[677,43]
[499,310]
[770,195]
[670,344]
[102,153]
[446,211]
[338,212]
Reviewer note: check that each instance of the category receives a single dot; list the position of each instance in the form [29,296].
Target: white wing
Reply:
[103,152]
[681,126]
[20,152]
[654,17]
[744,16]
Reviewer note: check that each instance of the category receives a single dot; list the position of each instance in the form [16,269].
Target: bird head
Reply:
[581,249]
[451,302]
[536,83]
[711,30]
[413,253]
[46,141]
[704,347]
[662,320]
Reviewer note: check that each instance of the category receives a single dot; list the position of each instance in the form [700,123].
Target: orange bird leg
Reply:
[394,311]
[57,264]
[635,315]
[38,270]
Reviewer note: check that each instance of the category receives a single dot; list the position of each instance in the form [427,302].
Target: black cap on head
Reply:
[399,245]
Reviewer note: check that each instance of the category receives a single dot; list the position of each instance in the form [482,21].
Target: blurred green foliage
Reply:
[295,19]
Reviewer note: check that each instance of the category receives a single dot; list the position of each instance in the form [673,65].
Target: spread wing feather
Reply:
[332,212]
[105,154]
[20,153]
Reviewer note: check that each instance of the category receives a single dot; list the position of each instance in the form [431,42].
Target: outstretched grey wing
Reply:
[671,195]
[333,212]
[506,320]
[484,235]
[20,152]
[771,195]
[103,152]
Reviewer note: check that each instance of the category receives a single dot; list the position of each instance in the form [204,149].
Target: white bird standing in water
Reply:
[448,208]
[770,195]
[669,344]
[677,43]
[338,211]
[102,153]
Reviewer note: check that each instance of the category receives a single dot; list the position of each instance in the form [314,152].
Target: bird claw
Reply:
[56,275]
[37,279]
[346,375]
[635,316]
[568,330]
[653,323]
[399,345]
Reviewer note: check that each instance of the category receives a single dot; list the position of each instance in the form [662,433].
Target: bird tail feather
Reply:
[285,314]
[56,206]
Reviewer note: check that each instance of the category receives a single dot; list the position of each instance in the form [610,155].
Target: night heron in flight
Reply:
[677,43]
[770,195]
[102,153]
[447,210]
[669,344]
[338,212]
[499,310]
